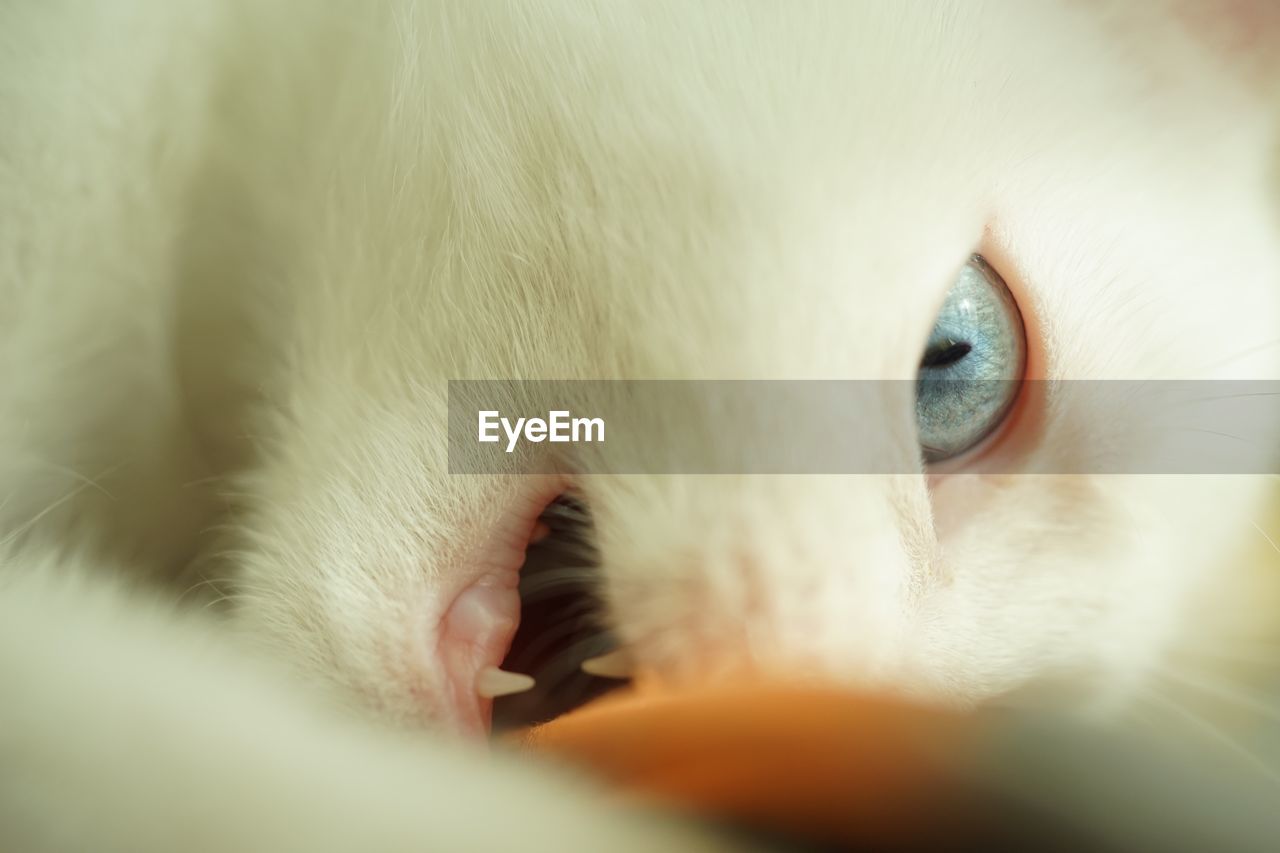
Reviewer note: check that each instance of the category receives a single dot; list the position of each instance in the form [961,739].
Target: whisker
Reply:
[568,662]
[1256,653]
[1214,734]
[1266,536]
[91,482]
[1217,434]
[34,520]
[581,616]
[1217,397]
[1233,696]
[544,583]
[1242,354]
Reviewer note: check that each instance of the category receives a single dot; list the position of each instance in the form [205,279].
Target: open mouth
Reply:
[561,622]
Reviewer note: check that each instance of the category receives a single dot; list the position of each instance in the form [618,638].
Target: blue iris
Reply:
[973,365]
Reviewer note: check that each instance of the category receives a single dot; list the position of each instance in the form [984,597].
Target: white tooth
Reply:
[493,682]
[616,664]
[540,532]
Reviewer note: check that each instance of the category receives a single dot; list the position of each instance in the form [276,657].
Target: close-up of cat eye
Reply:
[734,426]
[973,365]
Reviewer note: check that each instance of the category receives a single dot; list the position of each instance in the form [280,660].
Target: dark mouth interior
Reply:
[560,622]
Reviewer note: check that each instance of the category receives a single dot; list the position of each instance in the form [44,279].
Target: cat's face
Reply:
[694,191]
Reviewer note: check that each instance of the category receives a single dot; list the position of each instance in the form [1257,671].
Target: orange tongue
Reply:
[814,763]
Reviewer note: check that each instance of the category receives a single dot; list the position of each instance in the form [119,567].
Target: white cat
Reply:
[245,245]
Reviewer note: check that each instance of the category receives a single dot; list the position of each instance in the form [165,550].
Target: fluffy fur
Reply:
[245,244]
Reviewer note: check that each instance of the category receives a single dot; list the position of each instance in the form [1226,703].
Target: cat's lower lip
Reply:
[476,628]
[475,634]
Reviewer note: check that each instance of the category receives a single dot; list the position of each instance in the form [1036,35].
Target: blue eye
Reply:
[973,365]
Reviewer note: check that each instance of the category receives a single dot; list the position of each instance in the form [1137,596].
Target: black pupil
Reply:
[945,356]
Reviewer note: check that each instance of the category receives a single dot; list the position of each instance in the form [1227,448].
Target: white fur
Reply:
[245,244]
